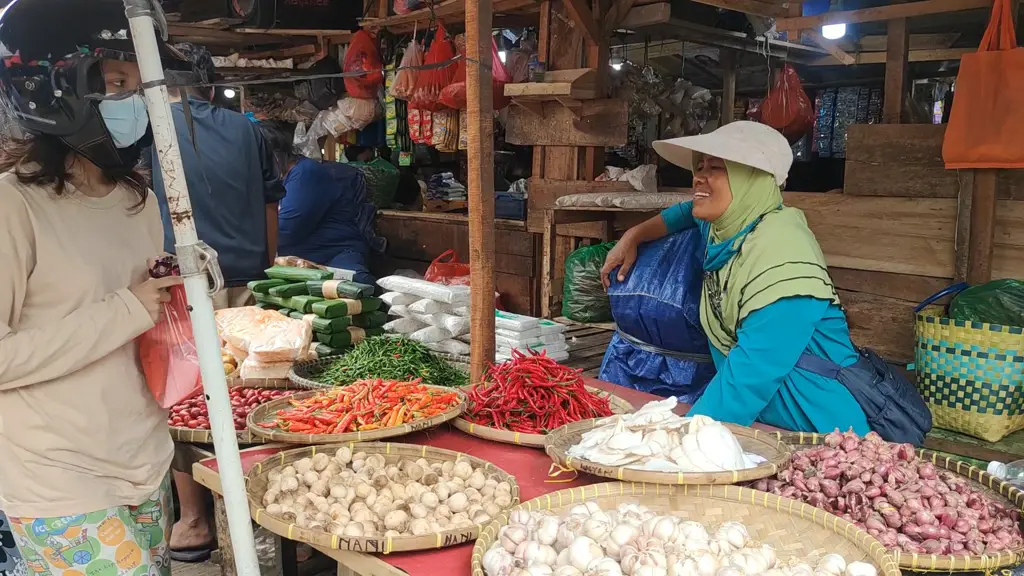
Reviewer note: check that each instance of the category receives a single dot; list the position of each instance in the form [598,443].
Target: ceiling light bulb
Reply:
[229,93]
[501,56]
[616,66]
[833,31]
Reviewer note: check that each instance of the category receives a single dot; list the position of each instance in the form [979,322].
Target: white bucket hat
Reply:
[744,142]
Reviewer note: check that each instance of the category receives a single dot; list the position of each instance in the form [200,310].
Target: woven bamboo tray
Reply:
[302,373]
[792,528]
[979,479]
[618,405]
[257,481]
[765,444]
[262,412]
[188,435]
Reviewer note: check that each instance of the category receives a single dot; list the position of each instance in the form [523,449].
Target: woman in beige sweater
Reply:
[84,447]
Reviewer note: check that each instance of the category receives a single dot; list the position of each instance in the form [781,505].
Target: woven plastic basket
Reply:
[971,374]
[764,444]
[980,480]
[263,412]
[794,529]
[618,405]
[194,436]
[257,481]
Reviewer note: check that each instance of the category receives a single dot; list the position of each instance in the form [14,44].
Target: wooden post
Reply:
[543,40]
[896,50]
[481,184]
[727,60]
[597,58]
[962,240]
[983,227]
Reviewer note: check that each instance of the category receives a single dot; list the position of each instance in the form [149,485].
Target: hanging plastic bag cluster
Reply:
[431,81]
[787,107]
[170,362]
[405,79]
[362,56]
[988,110]
[454,95]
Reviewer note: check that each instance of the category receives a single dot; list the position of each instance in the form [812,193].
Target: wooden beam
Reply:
[877,42]
[616,14]
[962,240]
[912,56]
[983,227]
[833,48]
[878,13]
[480,185]
[644,16]
[754,7]
[895,71]
[727,59]
[583,17]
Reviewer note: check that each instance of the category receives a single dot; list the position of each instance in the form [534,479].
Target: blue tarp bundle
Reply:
[659,305]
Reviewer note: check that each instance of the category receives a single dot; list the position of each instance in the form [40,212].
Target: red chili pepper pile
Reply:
[192,412]
[363,405]
[533,394]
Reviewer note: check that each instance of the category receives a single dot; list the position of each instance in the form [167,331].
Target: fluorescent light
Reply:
[616,66]
[833,31]
[229,93]
[501,56]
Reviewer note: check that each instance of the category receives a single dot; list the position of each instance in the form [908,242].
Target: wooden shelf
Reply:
[453,11]
[576,84]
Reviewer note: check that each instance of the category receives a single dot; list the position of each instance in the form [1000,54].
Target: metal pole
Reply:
[195,259]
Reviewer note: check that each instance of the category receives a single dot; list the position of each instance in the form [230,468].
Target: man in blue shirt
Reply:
[234,188]
[324,216]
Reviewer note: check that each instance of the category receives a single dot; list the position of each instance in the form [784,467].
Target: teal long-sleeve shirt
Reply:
[759,381]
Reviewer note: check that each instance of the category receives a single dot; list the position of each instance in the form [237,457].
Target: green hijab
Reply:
[759,252]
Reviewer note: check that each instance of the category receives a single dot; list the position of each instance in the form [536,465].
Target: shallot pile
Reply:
[632,540]
[905,502]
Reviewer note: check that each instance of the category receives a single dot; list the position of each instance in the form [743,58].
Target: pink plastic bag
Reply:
[170,362]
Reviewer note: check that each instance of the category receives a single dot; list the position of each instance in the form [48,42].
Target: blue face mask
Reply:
[126,119]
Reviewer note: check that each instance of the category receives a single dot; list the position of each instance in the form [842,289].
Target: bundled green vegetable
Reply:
[374,319]
[264,286]
[296,315]
[391,358]
[331,325]
[293,274]
[323,351]
[266,306]
[268,299]
[303,304]
[285,311]
[335,289]
[348,336]
[344,307]
[289,290]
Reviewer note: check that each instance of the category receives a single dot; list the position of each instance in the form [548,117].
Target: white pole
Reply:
[195,259]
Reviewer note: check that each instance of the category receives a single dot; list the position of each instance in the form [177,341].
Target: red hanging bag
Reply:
[454,95]
[988,104]
[362,56]
[431,81]
[787,107]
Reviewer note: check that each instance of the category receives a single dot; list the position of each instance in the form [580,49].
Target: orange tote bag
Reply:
[987,119]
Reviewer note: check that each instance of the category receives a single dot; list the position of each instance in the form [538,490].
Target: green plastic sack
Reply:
[584,298]
[381,181]
[996,302]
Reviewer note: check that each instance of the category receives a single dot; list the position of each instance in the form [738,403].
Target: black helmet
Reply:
[51,77]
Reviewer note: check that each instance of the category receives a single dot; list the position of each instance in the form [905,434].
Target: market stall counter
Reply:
[531,467]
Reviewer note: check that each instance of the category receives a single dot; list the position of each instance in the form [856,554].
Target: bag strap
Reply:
[445,254]
[1000,33]
[954,289]
[818,365]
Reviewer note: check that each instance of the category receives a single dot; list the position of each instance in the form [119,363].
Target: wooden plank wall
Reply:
[413,243]
[890,237]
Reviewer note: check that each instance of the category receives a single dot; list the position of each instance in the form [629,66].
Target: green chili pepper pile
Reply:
[391,358]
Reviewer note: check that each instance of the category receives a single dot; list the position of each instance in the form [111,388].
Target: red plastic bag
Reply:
[454,95]
[431,81]
[988,108]
[362,56]
[446,269]
[787,107]
[170,362]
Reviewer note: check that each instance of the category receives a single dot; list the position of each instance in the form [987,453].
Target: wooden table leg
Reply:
[227,554]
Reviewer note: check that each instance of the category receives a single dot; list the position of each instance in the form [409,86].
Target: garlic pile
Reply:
[362,495]
[634,541]
[654,438]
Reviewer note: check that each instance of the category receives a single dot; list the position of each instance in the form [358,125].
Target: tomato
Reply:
[193,424]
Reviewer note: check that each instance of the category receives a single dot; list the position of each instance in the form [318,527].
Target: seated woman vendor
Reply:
[767,298]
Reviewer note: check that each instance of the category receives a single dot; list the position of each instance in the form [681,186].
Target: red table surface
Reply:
[529,466]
